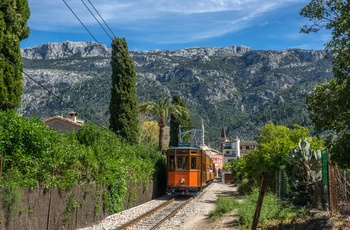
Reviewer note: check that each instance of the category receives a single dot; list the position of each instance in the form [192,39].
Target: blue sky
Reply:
[176,24]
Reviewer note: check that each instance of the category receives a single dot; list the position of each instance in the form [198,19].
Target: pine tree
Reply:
[184,121]
[123,106]
[14,15]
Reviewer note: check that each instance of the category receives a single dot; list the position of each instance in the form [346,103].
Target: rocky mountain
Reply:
[236,86]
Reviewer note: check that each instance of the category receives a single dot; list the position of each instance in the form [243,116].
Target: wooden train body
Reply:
[189,170]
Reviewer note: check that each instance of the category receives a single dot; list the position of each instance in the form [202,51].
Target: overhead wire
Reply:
[96,19]
[112,60]
[44,87]
[80,21]
[89,30]
[97,22]
[101,18]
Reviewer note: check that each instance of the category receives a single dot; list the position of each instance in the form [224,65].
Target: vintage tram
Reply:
[189,169]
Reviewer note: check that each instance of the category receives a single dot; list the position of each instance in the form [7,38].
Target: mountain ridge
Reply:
[235,86]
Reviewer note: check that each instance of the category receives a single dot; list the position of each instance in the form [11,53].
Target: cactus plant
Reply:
[305,172]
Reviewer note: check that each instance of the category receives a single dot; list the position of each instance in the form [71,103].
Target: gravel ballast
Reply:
[193,216]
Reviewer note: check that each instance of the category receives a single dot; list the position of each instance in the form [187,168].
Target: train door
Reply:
[195,174]
[203,169]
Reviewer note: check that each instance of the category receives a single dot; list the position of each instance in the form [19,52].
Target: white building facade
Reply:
[231,150]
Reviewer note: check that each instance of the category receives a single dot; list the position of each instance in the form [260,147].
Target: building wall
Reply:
[217,159]
[248,146]
[231,150]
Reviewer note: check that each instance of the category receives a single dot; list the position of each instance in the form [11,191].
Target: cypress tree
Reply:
[14,15]
[184,121]
[123,106]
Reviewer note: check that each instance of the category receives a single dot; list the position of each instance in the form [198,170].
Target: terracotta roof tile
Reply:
[62,119]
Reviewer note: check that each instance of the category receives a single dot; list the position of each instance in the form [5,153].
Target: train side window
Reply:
[182,162]
[193,163]
[172,162]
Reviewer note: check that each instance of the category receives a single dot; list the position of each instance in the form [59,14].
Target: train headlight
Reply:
[182,180]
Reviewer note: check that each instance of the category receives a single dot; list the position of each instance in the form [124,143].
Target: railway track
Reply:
[155,217]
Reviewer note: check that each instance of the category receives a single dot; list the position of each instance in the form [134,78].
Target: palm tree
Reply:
[161,111]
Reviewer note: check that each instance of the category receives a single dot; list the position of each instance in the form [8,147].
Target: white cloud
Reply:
[161,21]
[53,14]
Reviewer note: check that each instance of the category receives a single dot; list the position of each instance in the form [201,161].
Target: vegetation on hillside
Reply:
[242,91]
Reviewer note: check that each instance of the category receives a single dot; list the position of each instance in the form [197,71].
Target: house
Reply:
[247,147]
[217,160]
[233,149]
[68,123]
[230,148]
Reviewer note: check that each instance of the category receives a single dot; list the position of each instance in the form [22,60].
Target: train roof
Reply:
[186,147]
[209,151]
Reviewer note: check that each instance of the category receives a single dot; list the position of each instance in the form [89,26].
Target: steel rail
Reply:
[134,221]
[173,213]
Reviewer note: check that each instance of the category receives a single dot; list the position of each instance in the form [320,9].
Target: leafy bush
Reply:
[42,156]
[245,187]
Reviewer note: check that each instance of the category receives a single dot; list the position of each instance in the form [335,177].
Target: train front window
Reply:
[182,162]
[171,162]
[193,163]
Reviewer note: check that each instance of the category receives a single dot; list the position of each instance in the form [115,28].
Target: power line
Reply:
[80,21]
[96,19]
[102,18]
[58,97]
[89,31]
[112,60]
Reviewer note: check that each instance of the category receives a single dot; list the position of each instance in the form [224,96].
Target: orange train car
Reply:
[189,169]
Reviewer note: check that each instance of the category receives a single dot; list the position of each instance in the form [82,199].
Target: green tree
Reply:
[14,15]
[149,134]
[161,111]
[275,143]
[329,104]
[184,121]
[123,106]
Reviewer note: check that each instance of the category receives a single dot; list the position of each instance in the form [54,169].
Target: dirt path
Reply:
[228,221]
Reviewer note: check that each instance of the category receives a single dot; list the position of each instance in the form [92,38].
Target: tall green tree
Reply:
[175,122]
[275,143]
[329,103]
[14,15]
[123,106]
[161,111]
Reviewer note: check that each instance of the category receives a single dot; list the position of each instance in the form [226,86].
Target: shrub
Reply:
[245,187]
[42,156]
